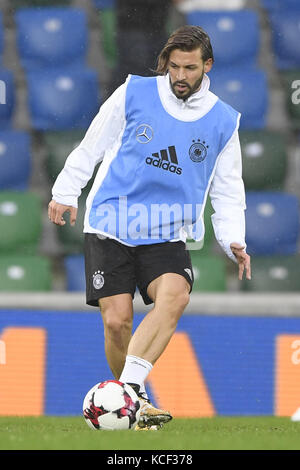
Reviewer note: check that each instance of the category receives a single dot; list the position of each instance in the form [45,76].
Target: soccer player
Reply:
[166,143]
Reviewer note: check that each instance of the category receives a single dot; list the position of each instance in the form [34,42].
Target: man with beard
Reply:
[165,143]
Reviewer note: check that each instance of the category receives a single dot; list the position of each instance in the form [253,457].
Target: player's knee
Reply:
[176,305]
[177,301]
[185,298]
[116,323]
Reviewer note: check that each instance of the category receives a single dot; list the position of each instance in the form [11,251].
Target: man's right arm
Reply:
[80,164]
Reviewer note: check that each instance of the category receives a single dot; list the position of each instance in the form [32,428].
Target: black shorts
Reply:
[113,268]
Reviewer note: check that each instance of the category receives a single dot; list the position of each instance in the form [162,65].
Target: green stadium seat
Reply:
[72,238]
[264,157]
[290,79]
[20,273]
[209,238]
[209,272]
[108,30]
[274,274]
[20,222]
[58,146]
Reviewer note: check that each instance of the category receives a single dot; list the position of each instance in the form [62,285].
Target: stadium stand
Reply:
[285,35]
[7,98]
[234,35]
[44,39]
[265,159]
[104,4]
[208,243]
[274,5]
[61,99]
[246,89]
[15,160]
[209,239]
[21,215]
[1,37]
[38,3]
[274,274]
[74,272]
[290,80]
[19,273]
[194,5]
[58,146]
[209,272]
[108,24]
[272,223]
[71,238]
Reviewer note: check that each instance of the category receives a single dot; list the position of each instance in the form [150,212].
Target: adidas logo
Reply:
[165,159]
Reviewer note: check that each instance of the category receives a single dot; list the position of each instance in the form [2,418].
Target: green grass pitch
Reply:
[218,433]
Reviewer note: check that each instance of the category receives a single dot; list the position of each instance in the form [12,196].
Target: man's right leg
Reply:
[110,285]
[117,315]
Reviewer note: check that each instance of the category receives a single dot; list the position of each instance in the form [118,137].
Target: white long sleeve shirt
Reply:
[104,137]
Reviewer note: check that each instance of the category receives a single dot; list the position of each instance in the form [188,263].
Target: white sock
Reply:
[143,390]
[135,370]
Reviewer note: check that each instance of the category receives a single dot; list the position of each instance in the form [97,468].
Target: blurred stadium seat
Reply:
[108,25]
[1,37]
[74,273]
[15,160]
[209,237]
[38,3]
[103,4]
[20,222]
[63,99]
[272,223]
[193,5]
[246,90]
[291,87]
[19,273]
[209,272]
[234,35]
[72,237]
[265,159]
[285,36]
[273,5]
[44,39]
[58,146]
[274,273]
[7,98]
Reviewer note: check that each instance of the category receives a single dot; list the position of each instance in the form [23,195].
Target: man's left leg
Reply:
[170,293]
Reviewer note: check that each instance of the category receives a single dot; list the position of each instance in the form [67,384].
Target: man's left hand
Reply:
[243,260]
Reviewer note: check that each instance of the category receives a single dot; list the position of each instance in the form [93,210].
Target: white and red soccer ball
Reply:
[111,405]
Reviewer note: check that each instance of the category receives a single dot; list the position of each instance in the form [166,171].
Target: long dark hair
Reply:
[185,38]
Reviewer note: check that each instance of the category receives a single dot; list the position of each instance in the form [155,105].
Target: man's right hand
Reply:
[57,210]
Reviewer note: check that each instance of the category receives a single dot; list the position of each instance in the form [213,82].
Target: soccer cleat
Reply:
[151,416]
[148,428]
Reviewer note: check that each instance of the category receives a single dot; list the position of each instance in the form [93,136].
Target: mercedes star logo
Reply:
[144,133]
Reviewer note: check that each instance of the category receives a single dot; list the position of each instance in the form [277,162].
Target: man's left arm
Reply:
[227,195]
